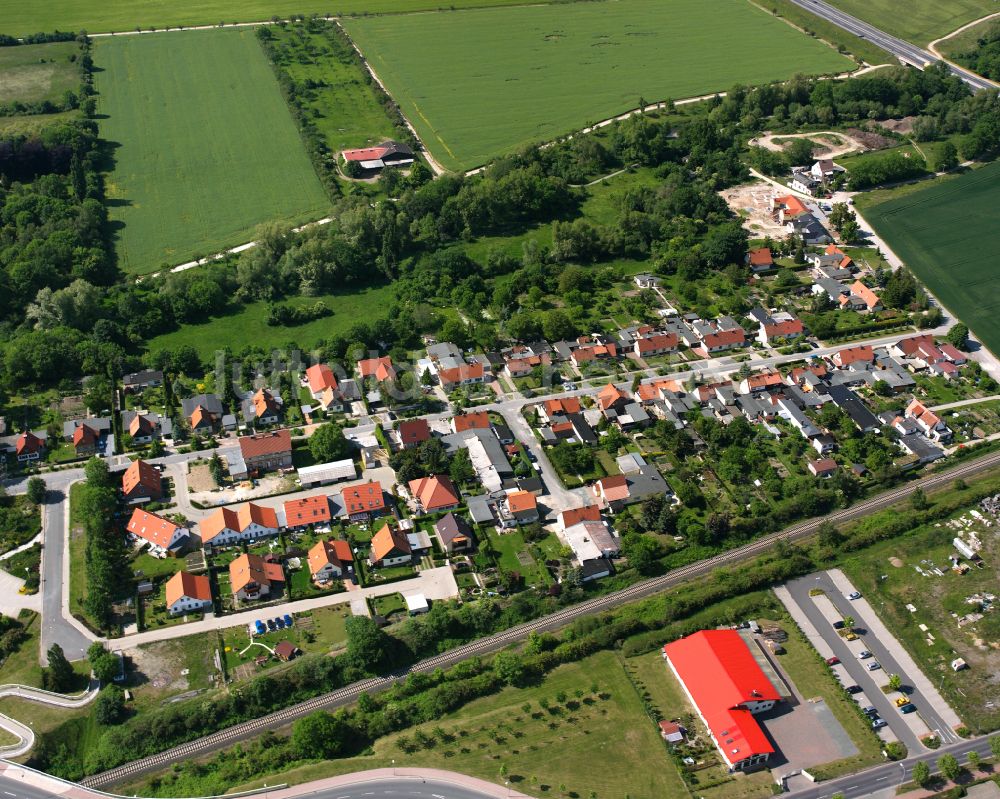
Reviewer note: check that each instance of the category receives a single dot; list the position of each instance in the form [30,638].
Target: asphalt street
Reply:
[858,669]
[904,51]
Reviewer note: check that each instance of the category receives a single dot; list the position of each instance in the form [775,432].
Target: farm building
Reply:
[388,153]
[324,473]
[727,687]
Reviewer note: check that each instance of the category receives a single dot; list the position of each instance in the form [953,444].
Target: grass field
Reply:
[346,109]
[947,234]
[249,324]
[923,21]
[483,82]
[36,72]
[205,148]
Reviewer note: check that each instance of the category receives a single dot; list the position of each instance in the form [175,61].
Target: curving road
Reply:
[904,51]
[494,643]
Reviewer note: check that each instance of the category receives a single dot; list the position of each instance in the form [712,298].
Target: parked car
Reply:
[878,723]
[259,627]
[279,623]
[902,701]
[832,661]
[288,620]
[875,666]
[853,689]
[851,636]
[870,711]
[854,595]
[910,708]
[838,624]
[864,653]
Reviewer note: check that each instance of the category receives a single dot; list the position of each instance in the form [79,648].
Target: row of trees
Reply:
[107,559]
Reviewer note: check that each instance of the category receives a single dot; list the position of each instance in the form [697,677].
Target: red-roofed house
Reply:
[253,577]
[142,482]
[861,353]
[953,354]
[320,378]
[824,467]
[611,491]
[413,433]
[29,447]
[610,397]
[788,207]
[762,381]
[559,407]
[85,440]
[588,513]
[227,526]
[523,507]
[435,493]
[267,451]
[479,420]
[860,292]
[388,153]
[930,424]
[187,593]
[330,560]
[379,368]
[760,260]
[593,352]
[773,333]
[363,502]
[721,677]
[720,341]
[466,374]
[311,511]
[389,547]
[655,344]
[161,534]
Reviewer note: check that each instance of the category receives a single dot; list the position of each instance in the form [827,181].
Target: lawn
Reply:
[946,232]
[513,554]
[924,20]
[21,18]
[594,716]
[36,72]
[249,323]
[345,109]
[482,82]
[204,146]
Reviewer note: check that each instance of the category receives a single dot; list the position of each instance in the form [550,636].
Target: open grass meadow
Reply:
[923,20]
[36,72]
[947,233]
[483,82]
[20,18]
[204,146]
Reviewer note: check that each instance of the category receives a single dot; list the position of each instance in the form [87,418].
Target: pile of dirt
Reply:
[871,141]
[896,562]
[904,125]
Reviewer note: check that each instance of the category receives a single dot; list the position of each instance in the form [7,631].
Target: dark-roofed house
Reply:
[203,411]
[851,404]
[455,533]
[137,381]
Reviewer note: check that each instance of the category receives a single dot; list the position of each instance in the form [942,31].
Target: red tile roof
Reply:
[434,492]
[588,513]
[658,341]
[521,502]
[182,584]
[458,374]
[761,257]
[849,355]
[152,528]
[265,444]
[791,327]
[325,552]
[609,396]
[387,540]
[365,154]
[414,431]
[472,421]
[364,498]
[140,474]
[721,675]
[28,442]
[308,510]
[566,405]
[379,368]
[320,378]
[870,298]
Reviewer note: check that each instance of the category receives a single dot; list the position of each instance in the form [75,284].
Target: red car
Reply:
[832,661]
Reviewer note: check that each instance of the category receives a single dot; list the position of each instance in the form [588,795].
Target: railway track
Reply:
[494,643]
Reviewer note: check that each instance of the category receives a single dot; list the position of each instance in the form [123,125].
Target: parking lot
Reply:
[817,602]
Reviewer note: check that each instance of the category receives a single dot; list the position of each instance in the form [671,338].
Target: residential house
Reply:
[320,379]
[557,409]
[761,381]
[434,494]
[387,154]
[644,280]
[390,547]
[587,513]
[203,412]
[851,404]
[610,398]
[188,593]
[930,424]
[809,228]
[263,408]
[592,540]
[589,349]
[265,452]
[161,534]
[380,369]
[29,447]
[777,331]
[227,526]
[760,259]
[137,381]
[655,344]
[824,467]
[464,374]
[330,560]
[85,440]
[413,432]
[726,685]
[145,428]
[252,577]
[861,353]
[787,208]
[803,181]
[363,502]
[477,420]
[861,298]
[306,512]
[825,169]
[454,533]
[522,507]
[720,341]
[142,482]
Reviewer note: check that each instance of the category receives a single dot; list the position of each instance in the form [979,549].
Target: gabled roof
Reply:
[609,396]
[521,502]
[657,341]
[465,371]
[564,406]
[869,297]
[324,553]
[790,327]
[152,528]
[28,442]
[140,426]
[364,498]
[761,257]
[249,568]
[389,540]
[195,586]
[414,431]
[262,444]
[320,377]
[379,368]
[434,492]
[477,420]
[720,674]
[849,355]
[451,528]
[613,488]
[140,474]
[251,513]
[792,205]
[588,513]
[84,436]
[725,338]
[264,403]
[308,510]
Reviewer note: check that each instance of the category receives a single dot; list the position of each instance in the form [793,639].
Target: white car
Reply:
[854,595]
[863,654]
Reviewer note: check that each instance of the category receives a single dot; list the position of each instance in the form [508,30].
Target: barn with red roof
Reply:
[727,686]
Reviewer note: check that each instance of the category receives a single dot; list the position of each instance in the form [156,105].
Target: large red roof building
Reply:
[727,686]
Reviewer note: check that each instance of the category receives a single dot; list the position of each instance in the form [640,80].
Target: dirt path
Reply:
[932,47]
[849,143]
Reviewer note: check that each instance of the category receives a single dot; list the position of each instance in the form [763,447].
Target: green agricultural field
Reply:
[204,147]
[36,72]
[345,108]
[483,82]
[947,233]
[20,18]
[249,323]
[923,21]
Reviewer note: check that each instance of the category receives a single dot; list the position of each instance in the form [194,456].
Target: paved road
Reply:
[882,651]
[909,53]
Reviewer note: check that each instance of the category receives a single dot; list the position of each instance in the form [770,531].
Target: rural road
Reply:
[909,53]
[494,643]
